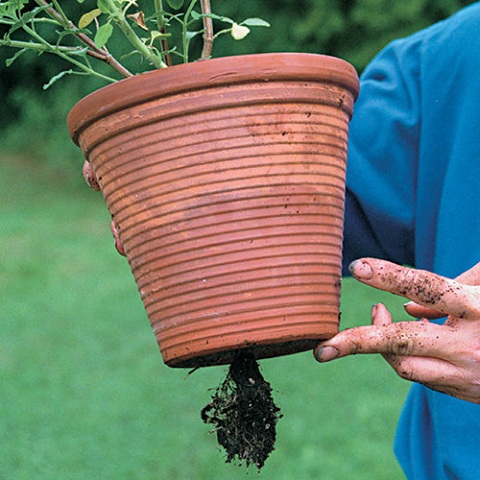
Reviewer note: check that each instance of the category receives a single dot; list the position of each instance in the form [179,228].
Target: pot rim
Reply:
[211,73]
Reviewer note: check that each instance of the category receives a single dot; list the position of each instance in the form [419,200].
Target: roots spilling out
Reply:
[244,414]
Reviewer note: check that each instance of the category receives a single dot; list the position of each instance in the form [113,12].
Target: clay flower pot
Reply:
[226,181]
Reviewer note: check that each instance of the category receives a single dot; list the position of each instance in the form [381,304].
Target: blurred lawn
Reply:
[84,393]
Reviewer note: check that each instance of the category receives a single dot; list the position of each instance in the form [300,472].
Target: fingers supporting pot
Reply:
[89,176]
[92,182]
[116,237]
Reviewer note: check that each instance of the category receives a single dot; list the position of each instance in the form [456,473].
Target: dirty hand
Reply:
[444,357]
[91,179]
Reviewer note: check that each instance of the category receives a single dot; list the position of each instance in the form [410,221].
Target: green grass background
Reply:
[83,390]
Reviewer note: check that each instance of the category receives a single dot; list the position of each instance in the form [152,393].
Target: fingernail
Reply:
[327,353]
[374,310]
[361,270]
[408,304]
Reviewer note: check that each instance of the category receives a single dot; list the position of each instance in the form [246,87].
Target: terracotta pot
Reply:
[226,181]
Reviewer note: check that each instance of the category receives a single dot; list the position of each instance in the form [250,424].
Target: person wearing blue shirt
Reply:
[413,198]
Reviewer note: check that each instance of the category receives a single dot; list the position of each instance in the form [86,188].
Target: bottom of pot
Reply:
[258,351]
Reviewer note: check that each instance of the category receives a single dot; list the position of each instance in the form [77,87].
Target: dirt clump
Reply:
[244,414]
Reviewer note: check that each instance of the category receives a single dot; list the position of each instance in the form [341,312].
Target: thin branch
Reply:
[95,52]
[162,29]
[208,30]
[64,52]
[116,16]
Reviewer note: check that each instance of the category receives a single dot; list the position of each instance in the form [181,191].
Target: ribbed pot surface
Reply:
[226,180]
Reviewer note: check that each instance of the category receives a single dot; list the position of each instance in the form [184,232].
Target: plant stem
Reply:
[208,30]
[117,16]
[39,47]
[162,29]
[58,10]
[185,30]
[98,53]
[60,51]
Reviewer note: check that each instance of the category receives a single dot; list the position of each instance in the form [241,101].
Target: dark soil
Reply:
[244,414]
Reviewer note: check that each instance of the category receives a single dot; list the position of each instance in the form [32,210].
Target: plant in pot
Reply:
[224,178]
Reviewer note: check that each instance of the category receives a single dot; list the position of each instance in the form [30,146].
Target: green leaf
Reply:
[57,77]
[82,52]
[87,18]
[239,32]
[103,6]
[195,15]
[19,4]
[9,61]
[155,34]
[213,16]
[31,14]
[103,35]
[190,35]
[175,4]
[255,22]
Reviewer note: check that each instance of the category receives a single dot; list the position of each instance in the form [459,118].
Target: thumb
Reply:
[471,276]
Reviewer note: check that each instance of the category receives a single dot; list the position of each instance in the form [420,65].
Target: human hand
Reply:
[91,179]
[444,357]
[89,176]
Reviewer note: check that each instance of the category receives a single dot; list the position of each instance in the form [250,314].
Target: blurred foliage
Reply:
[351,29]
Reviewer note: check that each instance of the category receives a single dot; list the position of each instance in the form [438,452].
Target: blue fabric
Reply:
[413,197]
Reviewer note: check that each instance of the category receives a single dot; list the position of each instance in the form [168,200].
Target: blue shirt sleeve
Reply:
[383,144]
